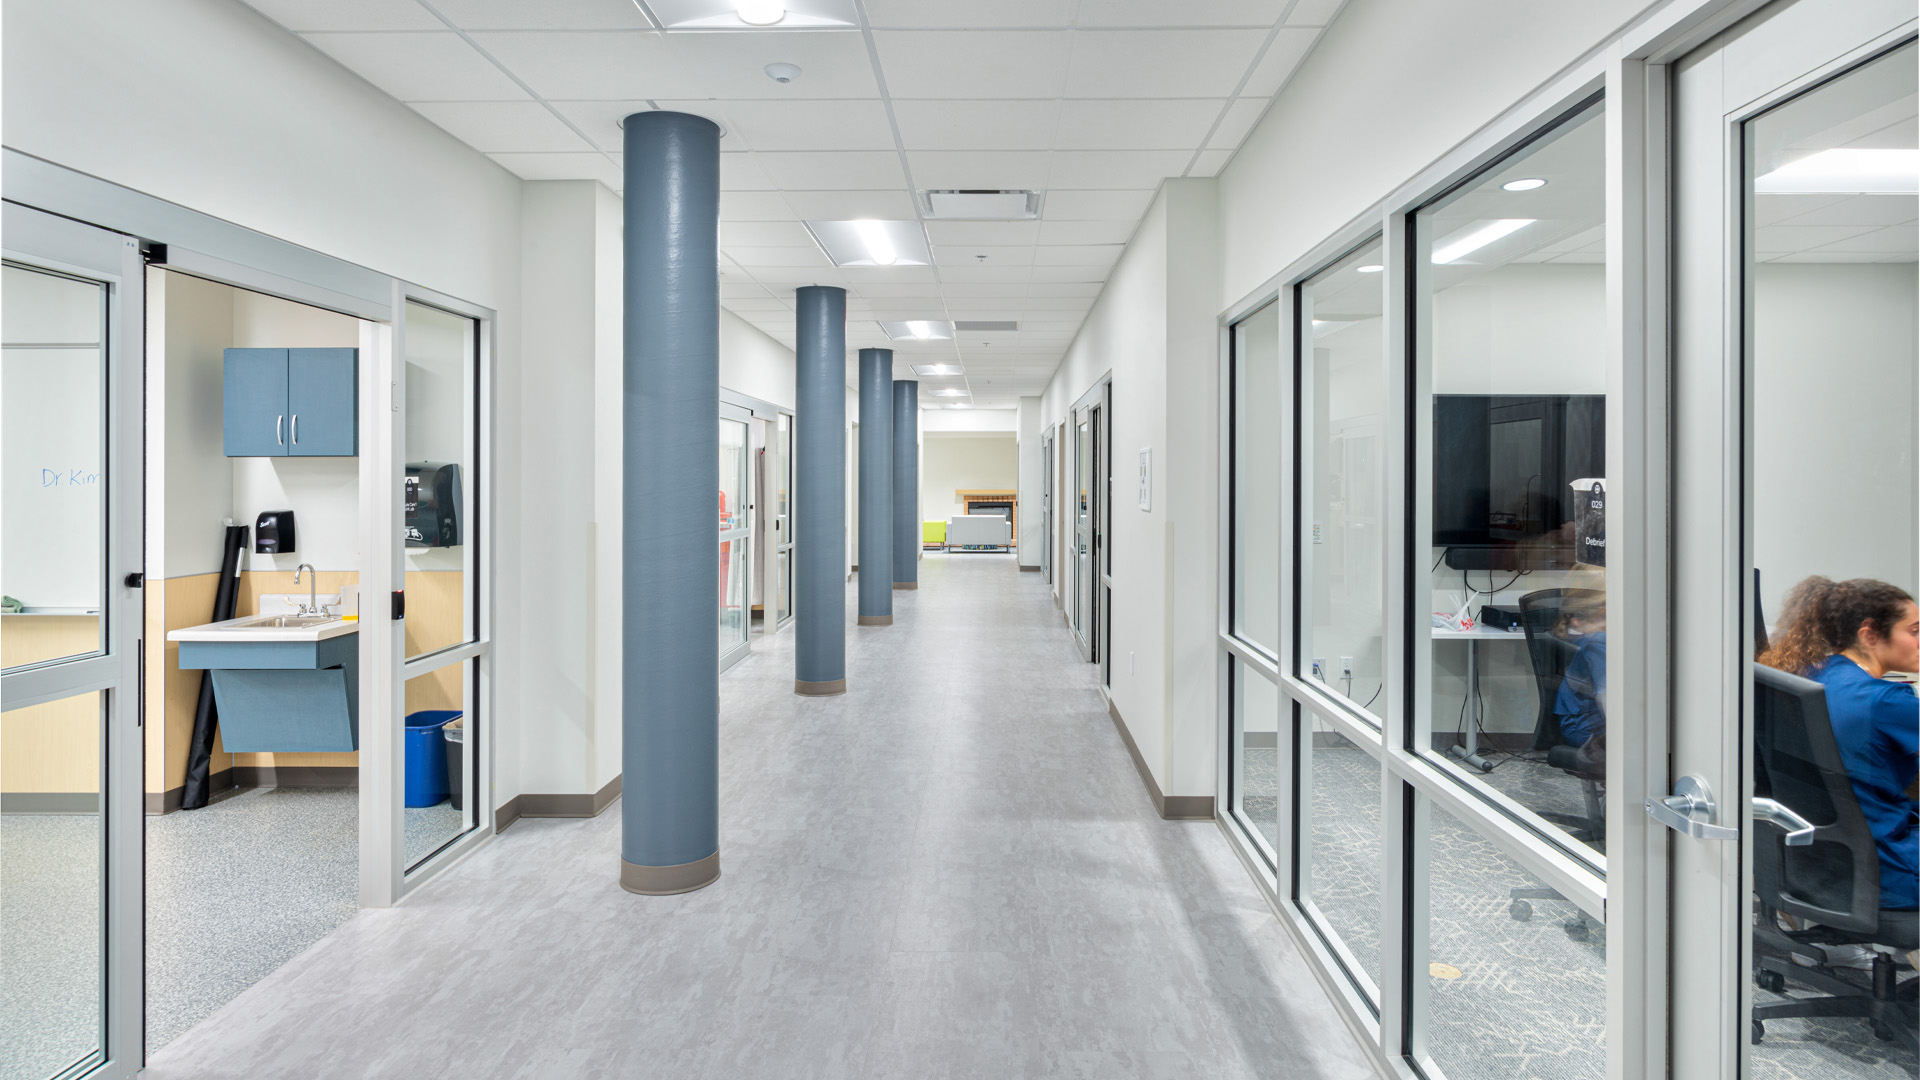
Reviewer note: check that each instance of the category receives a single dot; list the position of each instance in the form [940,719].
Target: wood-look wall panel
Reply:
[52,748]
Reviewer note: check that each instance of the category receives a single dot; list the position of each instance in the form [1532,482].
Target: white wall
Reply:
[195,327]
[969,420]
[754,364]
[951,461]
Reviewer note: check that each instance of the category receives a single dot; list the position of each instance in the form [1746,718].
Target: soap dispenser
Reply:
[273,533]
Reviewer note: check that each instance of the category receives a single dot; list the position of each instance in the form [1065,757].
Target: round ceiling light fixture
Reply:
[761,12]
[1524,184]
[783,73]
[1370,268]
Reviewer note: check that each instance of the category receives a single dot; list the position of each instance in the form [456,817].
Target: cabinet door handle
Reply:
[277,421]
[296,429]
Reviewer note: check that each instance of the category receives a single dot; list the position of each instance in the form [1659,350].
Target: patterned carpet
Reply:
[1528,1000]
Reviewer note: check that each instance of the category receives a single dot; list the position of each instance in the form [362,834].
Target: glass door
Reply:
[1083,560]
[1046,507]
[779,495]
[736,535]
[1797,492]
[70,520]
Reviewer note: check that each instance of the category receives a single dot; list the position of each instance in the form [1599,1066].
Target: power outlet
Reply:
[1320,668]
[1346,667]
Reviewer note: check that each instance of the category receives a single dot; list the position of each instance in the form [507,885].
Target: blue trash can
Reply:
[427,757]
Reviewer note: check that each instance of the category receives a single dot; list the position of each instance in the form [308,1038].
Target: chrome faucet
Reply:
[312,606]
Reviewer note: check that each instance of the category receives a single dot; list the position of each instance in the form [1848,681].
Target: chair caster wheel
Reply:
[1883,1033]
[1772,982]
[1520,910]
[1576,928]
[1759,1031]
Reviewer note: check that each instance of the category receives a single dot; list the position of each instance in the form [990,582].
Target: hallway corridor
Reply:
[951,871]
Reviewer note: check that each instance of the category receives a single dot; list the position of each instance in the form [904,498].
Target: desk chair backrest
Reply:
[1543,616]
[1836,880]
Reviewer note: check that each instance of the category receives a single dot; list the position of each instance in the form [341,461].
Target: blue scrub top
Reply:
[1877,724]
[1581,703]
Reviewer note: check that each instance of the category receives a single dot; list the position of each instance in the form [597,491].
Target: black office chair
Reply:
[1834,881]
[1542,615]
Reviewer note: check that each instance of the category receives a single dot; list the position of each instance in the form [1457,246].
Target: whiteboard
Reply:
[53,479]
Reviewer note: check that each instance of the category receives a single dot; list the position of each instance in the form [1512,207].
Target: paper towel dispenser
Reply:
[433,504]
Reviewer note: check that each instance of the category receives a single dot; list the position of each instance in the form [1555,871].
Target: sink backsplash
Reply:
[346,601]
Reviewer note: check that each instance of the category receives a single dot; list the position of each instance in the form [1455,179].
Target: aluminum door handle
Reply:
[295,425]
[1690,810]
[1798,829]
[277,421]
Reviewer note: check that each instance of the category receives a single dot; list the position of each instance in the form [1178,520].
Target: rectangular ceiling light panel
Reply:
[752,14]
[986,325]
[870,242]
[917,330]
[931,370]
[1845,171]
[980,205]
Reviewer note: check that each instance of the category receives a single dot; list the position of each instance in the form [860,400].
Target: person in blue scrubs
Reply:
[1848,636]
[1581,703]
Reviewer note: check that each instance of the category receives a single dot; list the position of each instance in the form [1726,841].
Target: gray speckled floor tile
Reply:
[926,877]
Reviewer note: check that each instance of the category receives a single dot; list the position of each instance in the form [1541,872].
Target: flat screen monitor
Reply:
[1503,466]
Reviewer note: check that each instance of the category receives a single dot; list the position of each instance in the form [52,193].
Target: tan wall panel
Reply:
[436,610]
[53,747]
[29,639]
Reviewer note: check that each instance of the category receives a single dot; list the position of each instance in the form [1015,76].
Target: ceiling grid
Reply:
[1091,102]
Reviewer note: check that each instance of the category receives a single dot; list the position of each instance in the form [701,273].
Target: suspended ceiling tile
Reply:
[971,14]
[974,64]
[601,120]
[1288,49]
[1133,169]
[1262,13]
[755,257]
[602,65]
[984,232]
[1002,274]
[1086,232]
[1070,273]
[1064,204]
[969,255]
[790,276]
[851,169]
[887,274]
[1783,238]
[586,166]
[1160,63]
[302,16]
[1175,124]
[1855,210]
[1238,121]
[758,304]
[543,15]
[827,205]
[981,169]
[755,206]
[900,291]
[763,233]
[812,125]
[743,289]
[494,127]
[1314,12]
[743,172]
[976,125]
[420,66]
[1210,162]
[732,65]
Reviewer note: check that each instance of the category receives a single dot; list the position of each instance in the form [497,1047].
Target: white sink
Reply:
[269,628]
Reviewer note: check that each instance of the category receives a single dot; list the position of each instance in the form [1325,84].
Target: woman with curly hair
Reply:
[1847,635]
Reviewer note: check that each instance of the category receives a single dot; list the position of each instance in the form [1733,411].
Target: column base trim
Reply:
[827,688]
[906,584]
[1169,807]
[1030,569]
[669,880]
[876,620]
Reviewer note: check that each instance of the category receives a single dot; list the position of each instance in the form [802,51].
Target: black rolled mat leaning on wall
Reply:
[205,716]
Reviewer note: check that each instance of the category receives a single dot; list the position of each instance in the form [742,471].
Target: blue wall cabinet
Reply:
[291,402]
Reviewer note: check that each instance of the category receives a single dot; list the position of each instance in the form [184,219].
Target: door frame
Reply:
[744,416]
[44,241]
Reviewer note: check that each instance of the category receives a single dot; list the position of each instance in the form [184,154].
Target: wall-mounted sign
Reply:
[1146,479]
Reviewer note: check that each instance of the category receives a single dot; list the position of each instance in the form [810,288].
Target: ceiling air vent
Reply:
[984,325]
[981,205]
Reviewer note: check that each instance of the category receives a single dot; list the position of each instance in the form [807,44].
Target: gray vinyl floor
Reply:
[951,871]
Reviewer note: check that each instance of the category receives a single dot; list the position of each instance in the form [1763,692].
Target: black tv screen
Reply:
[1502,466]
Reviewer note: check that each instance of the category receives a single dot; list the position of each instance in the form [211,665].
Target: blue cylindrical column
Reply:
[876,487]
[906,484]
[670,720]
[820,491]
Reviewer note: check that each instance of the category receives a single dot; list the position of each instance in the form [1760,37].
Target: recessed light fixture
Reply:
[1525,183]
[936,369]
[960,405]
[1852,171]
[975,204]
[951,391]
[869,242]
[761,12]
[1473,239]
[1370,268]
[752,14]
[917,330]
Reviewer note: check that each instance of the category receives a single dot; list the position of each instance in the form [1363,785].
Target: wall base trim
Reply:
[824,688]
[876,620]
[296,776]
[1025,569]
[1169,807]
[555,805]
[669,880]
[50,802]
[166,802]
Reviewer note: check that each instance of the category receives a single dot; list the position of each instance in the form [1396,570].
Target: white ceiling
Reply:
[1092,101]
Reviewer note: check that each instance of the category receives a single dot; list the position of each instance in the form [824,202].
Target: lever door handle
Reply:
[277,421]
[1798,829]
[1690,810]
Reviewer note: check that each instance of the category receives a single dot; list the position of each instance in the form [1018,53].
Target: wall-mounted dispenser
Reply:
[273,533]
[433,504]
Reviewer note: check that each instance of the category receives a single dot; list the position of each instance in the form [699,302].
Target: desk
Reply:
[1469,751]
